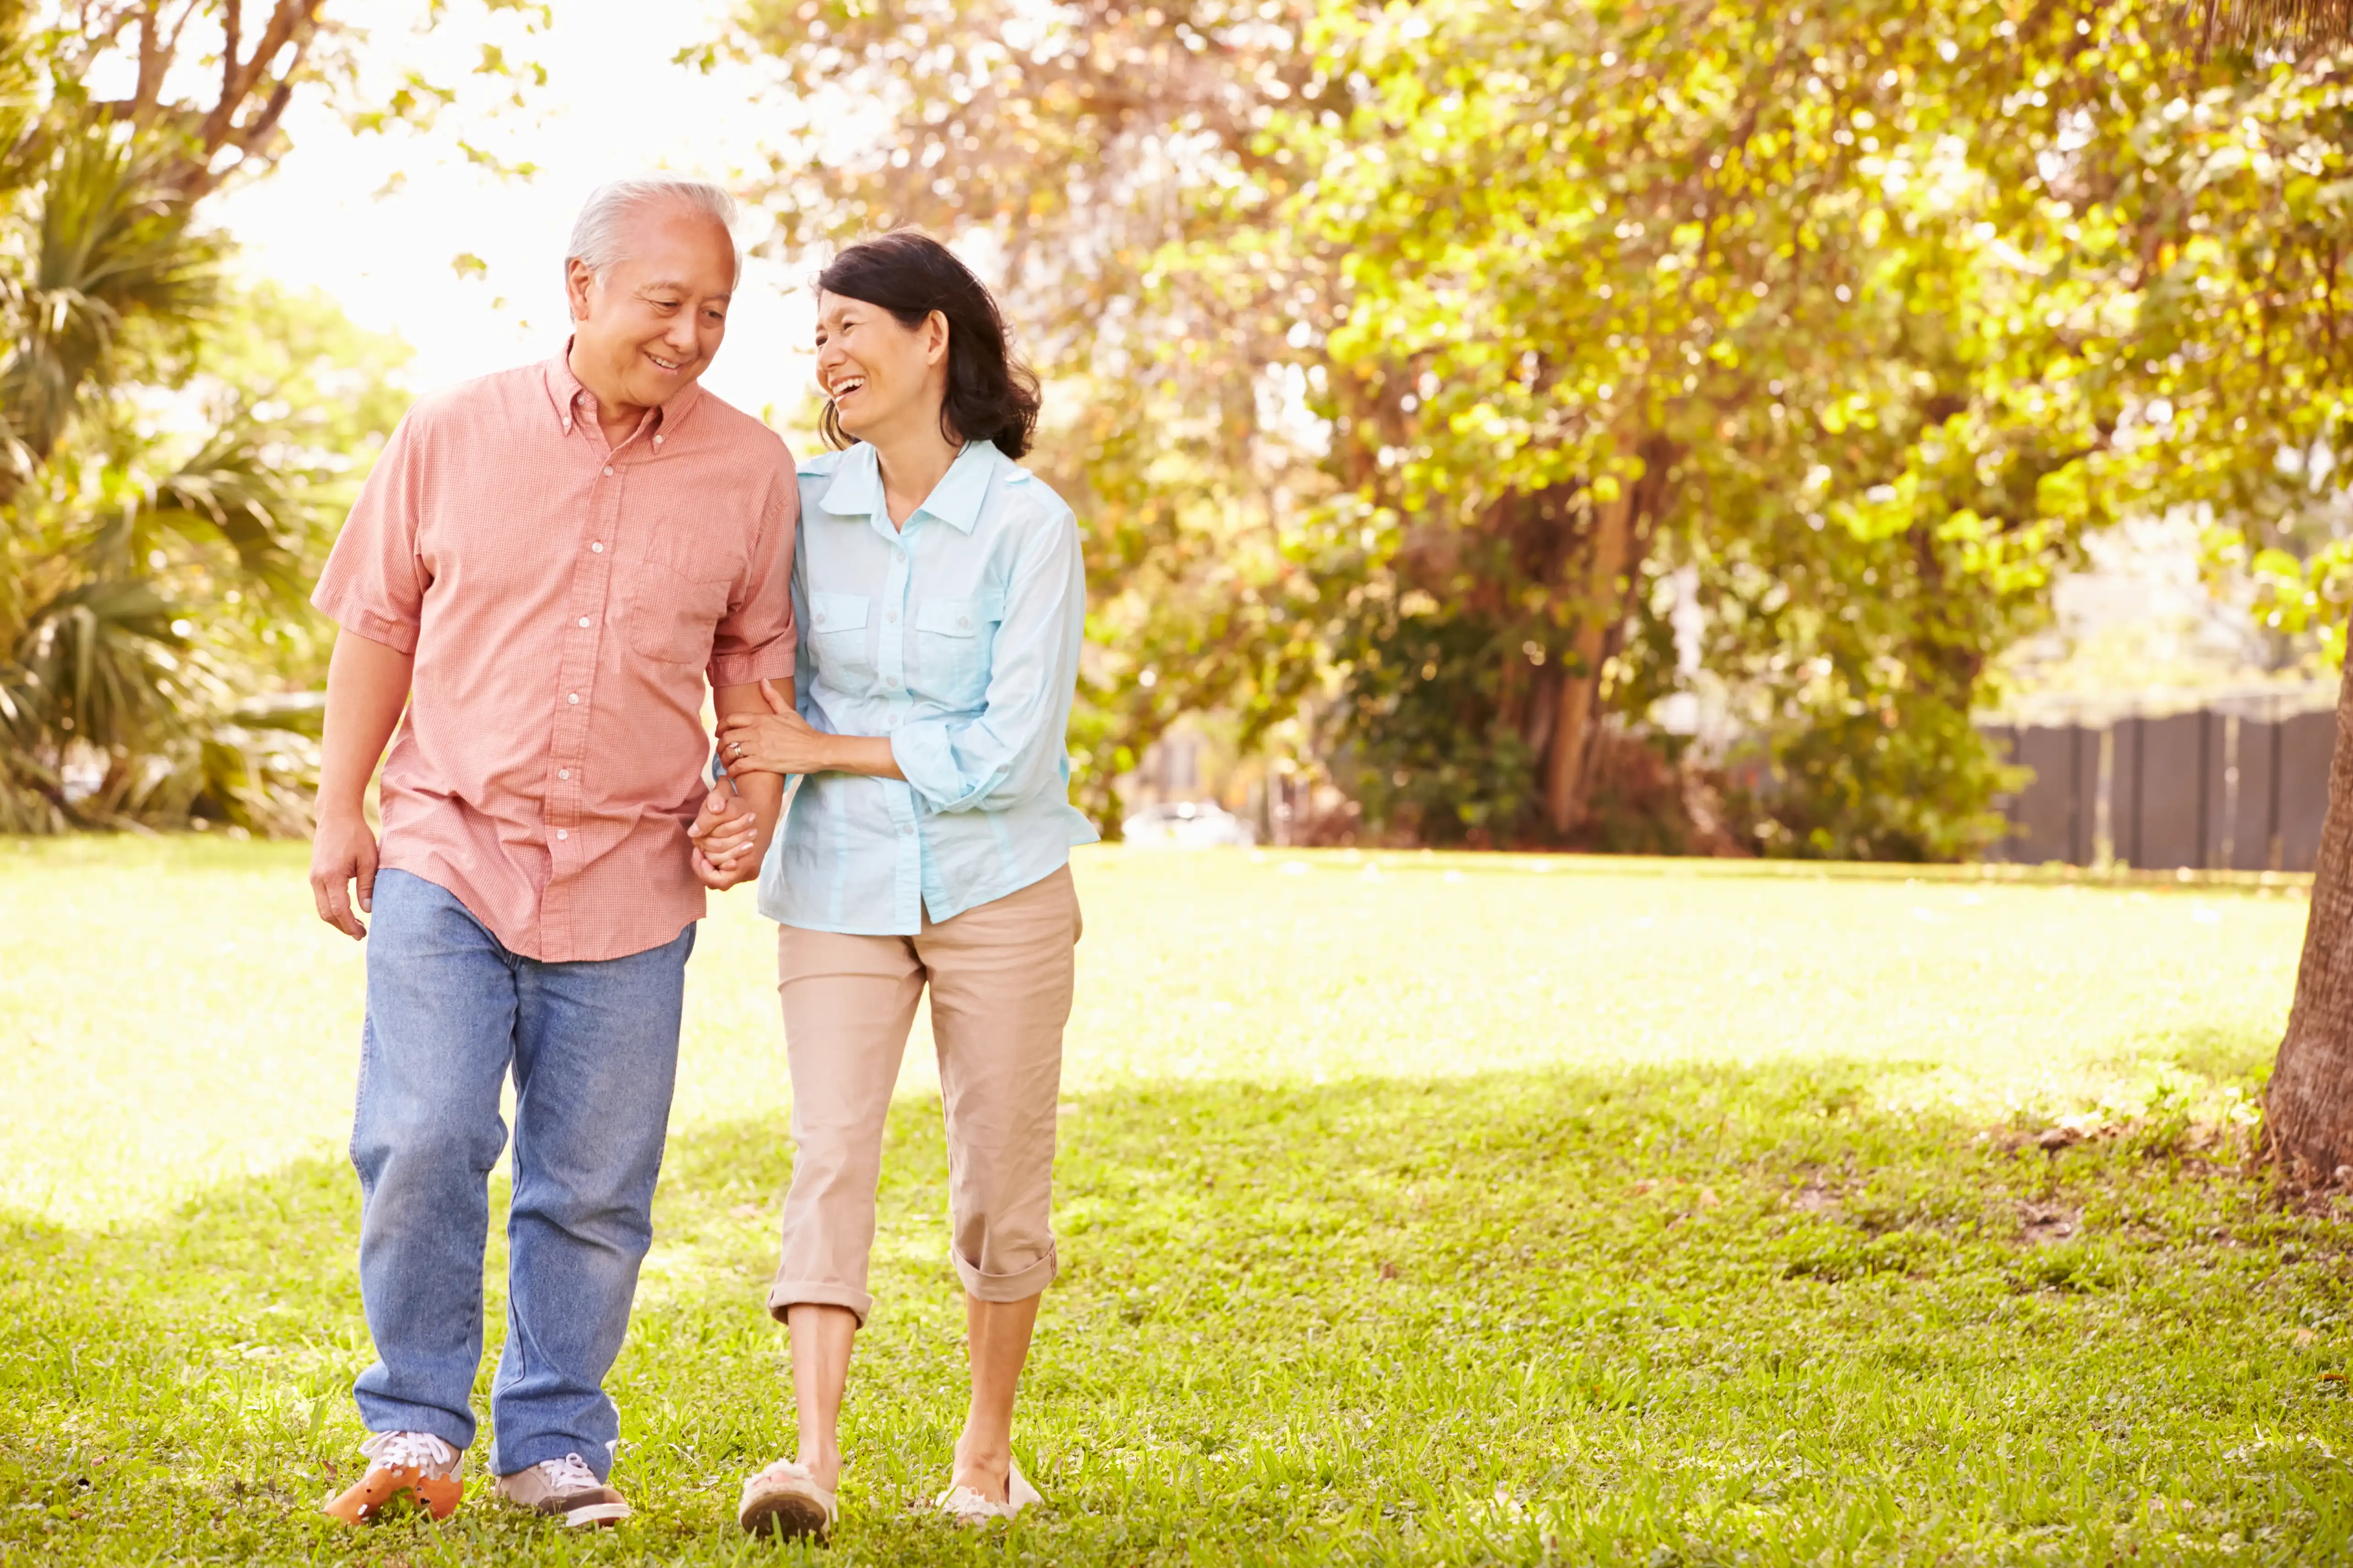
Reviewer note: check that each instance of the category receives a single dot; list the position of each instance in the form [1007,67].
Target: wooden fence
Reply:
[2240,783]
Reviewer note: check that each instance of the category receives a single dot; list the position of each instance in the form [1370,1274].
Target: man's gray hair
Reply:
[598,234]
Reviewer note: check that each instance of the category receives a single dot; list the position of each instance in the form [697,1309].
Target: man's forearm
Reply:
[764,793]
[367,686]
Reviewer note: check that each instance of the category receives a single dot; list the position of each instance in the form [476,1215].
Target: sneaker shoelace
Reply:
[568,1475]
[412,1450]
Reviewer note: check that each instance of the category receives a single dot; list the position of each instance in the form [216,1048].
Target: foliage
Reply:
[175,447]
[1454,1213]
[1414,350]
[182,450]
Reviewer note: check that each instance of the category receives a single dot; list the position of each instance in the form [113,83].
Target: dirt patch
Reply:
[2046,1225]
[1814,1198]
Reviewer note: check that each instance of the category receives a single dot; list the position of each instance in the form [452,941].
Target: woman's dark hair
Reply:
[991,396]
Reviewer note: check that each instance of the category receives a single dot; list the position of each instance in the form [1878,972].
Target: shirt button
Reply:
[609,470]
[583,623]
[906,829]
[573,697]
[962,622]
[890,680]
[656,440]
[564,772]
[560,834]
[598,547]
[890,615]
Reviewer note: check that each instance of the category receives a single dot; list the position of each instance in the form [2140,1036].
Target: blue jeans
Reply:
[594,1049]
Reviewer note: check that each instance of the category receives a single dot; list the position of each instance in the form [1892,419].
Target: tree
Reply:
[172,450]
[1074,143]
[1413,344]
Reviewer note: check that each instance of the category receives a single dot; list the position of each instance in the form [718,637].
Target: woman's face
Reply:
[882,377]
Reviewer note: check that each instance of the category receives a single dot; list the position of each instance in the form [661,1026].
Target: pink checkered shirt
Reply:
[564,600]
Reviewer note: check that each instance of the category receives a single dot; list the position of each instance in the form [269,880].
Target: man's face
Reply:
[649,326]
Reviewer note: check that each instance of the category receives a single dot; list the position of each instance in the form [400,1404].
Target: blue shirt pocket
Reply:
[954,639]
[838,646]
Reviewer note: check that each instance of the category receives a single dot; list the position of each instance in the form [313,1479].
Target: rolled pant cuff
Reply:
[786,1294]
[1017,1286]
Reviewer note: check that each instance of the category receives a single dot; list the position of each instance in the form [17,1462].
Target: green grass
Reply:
[1416,1209]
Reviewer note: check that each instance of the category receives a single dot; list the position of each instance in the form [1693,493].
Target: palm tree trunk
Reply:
[2308,1109]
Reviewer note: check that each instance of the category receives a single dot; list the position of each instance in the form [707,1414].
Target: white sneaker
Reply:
[784,1500]
[565,1489]
[966,1505]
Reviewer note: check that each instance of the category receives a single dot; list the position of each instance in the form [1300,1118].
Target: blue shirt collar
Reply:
[857,487]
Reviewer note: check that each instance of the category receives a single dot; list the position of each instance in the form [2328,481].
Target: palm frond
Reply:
[115,243]
[240,491]
[103,665]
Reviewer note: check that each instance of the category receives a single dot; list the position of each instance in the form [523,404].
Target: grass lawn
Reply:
[1415,1210]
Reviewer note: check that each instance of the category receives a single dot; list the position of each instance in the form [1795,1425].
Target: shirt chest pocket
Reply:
[954,639]
[838,640]
[675,609]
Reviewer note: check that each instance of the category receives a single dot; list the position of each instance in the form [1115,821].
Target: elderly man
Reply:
[542,567]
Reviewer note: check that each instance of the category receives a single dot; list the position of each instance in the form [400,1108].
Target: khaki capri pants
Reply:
[1000,976]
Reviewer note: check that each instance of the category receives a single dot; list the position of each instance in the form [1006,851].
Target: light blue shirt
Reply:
[957,636]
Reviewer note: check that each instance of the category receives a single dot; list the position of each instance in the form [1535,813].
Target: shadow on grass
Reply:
[1569,1315]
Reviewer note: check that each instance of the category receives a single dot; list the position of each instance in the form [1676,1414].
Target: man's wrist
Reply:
[341,813]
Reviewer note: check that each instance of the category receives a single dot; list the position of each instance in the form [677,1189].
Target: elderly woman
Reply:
[941,599]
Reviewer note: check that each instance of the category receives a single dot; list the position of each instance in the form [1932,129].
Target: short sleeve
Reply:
[756,639]
[373,583]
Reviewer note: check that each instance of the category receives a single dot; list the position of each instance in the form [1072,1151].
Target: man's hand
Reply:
[367,685]
[344,852]
[725,835]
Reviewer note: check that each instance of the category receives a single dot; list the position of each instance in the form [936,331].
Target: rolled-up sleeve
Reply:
[755,641]
[373,583]
[1012,748]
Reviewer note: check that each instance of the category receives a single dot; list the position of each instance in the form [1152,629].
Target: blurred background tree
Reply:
[1419,361]
[1626,426]
[176,446]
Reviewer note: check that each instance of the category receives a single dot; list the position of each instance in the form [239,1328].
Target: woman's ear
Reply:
[935,338]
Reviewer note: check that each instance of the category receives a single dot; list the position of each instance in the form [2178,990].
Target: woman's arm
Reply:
[1013,748]
[781,741]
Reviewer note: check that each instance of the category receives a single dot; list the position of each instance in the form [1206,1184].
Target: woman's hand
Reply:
[778,741]
[724,839]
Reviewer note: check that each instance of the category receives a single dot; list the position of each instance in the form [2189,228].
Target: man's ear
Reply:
[576,280]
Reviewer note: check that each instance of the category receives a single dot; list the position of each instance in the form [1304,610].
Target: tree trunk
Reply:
[2308,1109]
[1581,679]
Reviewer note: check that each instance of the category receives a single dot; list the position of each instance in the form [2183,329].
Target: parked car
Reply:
[1188,825]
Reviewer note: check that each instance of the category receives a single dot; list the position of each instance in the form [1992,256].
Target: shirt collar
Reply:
[857,488]
[572,401]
